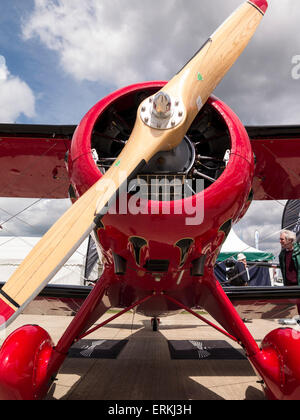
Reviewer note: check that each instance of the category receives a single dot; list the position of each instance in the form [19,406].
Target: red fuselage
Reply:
[165,247]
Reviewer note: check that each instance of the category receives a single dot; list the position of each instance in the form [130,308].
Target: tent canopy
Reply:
[234,245]
[13,250]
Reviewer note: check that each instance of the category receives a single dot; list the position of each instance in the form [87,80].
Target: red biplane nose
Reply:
[261,4]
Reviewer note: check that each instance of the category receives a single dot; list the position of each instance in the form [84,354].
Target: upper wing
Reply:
[277,153]
[32,160]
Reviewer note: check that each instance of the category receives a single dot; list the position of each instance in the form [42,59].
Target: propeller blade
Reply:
[192,86]
[161,124]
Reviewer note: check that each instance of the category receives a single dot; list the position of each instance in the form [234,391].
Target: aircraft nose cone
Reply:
[261,4]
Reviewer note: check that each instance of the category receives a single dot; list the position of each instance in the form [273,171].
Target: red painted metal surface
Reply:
[277,171]
[91,310]
[24,358]
[278,364]
[23,161]
[25,374]
[224,201]
[82,169]
[213,299]
[261,4]
[139,302]
[5,310]
[200,317]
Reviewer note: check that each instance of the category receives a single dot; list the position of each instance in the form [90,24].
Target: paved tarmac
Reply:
[144,369]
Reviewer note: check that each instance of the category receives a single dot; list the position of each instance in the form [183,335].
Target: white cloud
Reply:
[121,42]
[26,216]
[16,97]
[117,42]
[90,46]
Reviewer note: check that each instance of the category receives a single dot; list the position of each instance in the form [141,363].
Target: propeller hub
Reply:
[162,105]
[162,112]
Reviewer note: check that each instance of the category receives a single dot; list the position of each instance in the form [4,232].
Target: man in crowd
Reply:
[238,275]
[289,258]
[245,270]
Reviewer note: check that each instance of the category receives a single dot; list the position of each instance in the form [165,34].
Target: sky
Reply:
[59,57]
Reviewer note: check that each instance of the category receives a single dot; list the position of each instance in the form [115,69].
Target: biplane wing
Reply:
[32,160]
[277,155]
[37,152]
[250,302]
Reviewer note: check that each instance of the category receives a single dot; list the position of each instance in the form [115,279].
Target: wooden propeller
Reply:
[161,124]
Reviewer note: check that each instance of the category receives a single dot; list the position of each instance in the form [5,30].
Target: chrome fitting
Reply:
[162,112]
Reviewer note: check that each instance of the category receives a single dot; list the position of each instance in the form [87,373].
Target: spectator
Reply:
[242,259]
[237,275]
[289,258]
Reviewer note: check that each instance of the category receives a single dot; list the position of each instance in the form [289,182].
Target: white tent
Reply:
[234,245]
[14,249]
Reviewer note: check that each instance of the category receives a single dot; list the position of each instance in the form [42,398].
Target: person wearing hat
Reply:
[239,276]
[242,258]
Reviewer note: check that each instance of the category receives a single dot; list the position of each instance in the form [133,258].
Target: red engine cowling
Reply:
[162,240]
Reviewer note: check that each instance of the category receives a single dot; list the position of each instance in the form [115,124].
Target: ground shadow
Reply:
[144,370]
